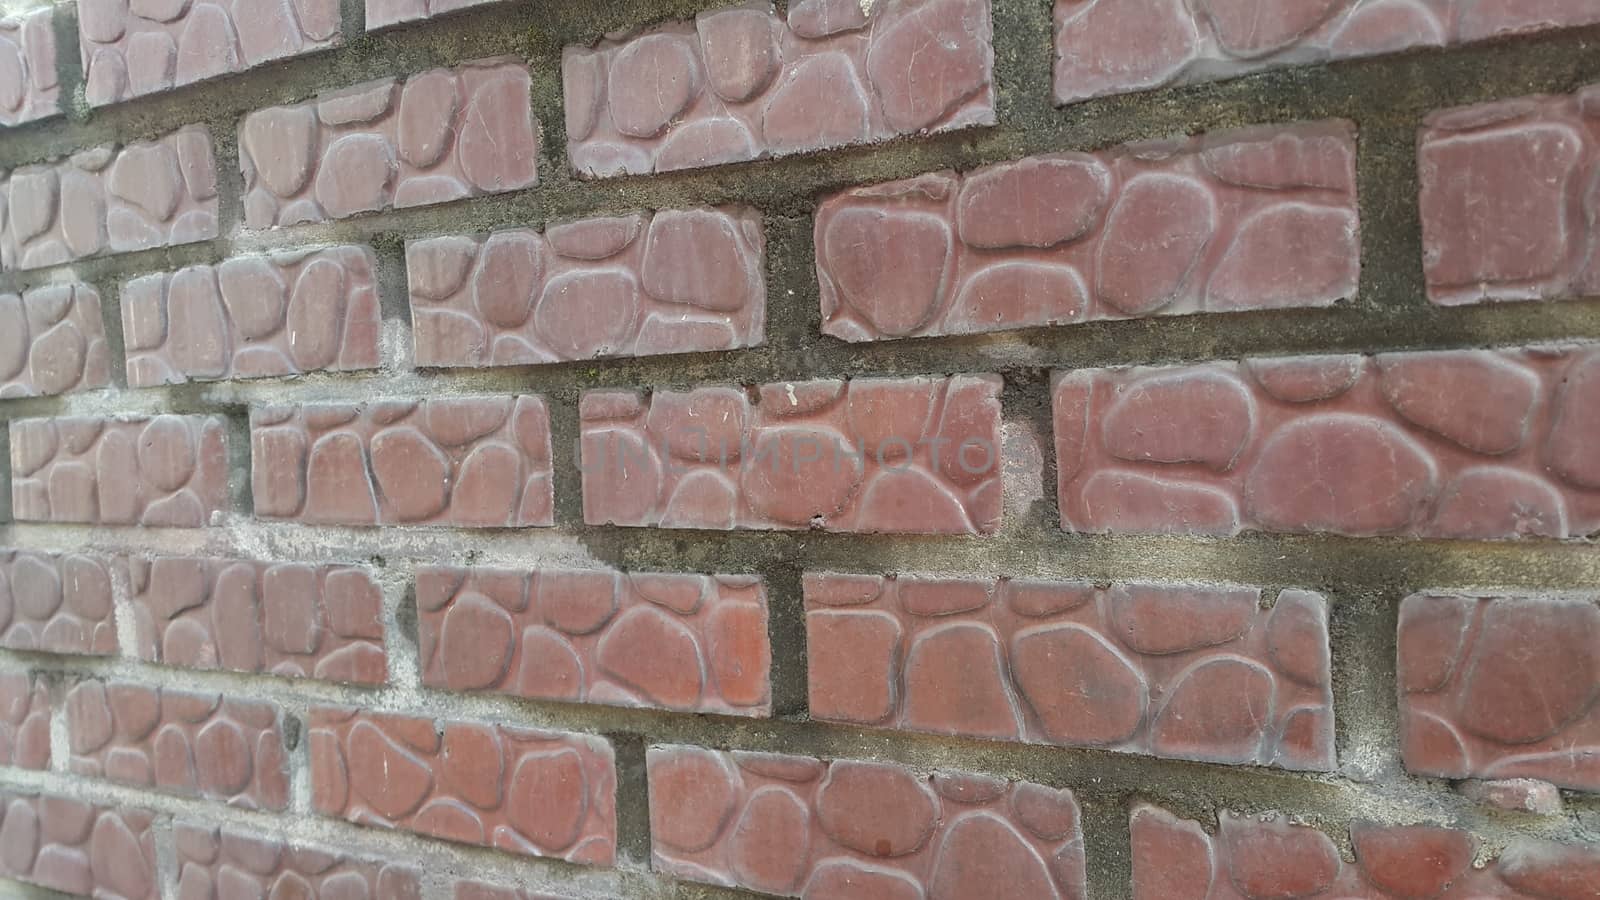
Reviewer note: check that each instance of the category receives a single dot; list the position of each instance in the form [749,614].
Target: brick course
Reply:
[56,603]
[24,720]
[232,862]
[68,845]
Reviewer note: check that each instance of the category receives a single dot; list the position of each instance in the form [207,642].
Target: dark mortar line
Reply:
[632,798]
[1362,631]
[1107,844]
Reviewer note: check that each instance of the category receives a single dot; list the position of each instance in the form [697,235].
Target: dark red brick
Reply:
[29,89]
[24,720]
[236,862]
[52,341]
[72,846]
[56,604]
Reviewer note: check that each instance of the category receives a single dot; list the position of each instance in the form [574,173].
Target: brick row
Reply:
[68,845]
[24,719]
[52,341]
[56,603]
[29,89]
[383,13]
[233,862]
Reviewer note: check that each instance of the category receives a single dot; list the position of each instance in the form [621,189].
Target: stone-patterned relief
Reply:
[29,88]
[24,719]
[383,13]
[56,604]
[740,84]
[1474,444]
[479,890]
[231,862]
[1263,218]
[52,341]
[110,200]
[440,135]
[679,281]
[71,846]
[254,317]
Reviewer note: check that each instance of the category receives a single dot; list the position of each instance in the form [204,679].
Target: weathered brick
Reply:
[442,135]
[1112,46]
[24,720]
[29,88]
[111,200]
[789,825]
[480,890]
[1482,444]
[536,793]
[129,50]
[913,455]
[739,84]
[681,642]
[68,845]
[1501,686]
[253,317]
[383,13]
[56,604]
[52,341]
[1524,795]
[162,470]
[226,749]
[1244,220]
[236,862]
[1508,197]
[462,461]
[1183,671]
[290,619]
[635,285]
[1252,858]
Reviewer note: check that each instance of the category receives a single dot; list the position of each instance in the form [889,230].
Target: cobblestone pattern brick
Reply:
[29,87]
[915,455]
[1246,220]
[24,719]
[739,84]
[166,470]
[535,793]
[441,135]
[52,341]
[230,862]
[793,825]
[692,643]
[383,13]
[1482,444]
[67,845]
[56,604]
[480,890]
[637,285]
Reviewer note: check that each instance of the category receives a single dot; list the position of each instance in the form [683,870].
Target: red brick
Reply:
[789,825]
[1481,444]
[52,342]
[1501,687]
[163,470]
[692,643]
[441,135]
[479,890]
[1110,47]
[111,200]
[1254,858]
[1181,671]
[156,46]
[234,862]
[634,285]
[915,455]
[216,747]
[72,846]
[1244,220]
[24,720]
[291,620]
[29,88]
[462,461]
[1504,189]
[535,793]
[739,84]
[253,317]
[383,13]
[56,604]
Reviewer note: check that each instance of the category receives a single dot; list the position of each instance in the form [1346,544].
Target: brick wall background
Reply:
[1100,448]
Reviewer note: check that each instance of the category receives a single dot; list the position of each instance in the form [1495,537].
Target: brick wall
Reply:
[880,450]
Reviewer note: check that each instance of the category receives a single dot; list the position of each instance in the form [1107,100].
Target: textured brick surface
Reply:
[1245,220]
[440,135]
[680,642]
[291,620]
[24,719]
[253,317]
[29,88]
[793,825]
[140,47]
[52,341]
[463,461]
[1451,444]
[72,846]
[1501,687]
[111,200]
[739,84]
[55,604]
[227,749]
[480,890]
[1185,671]
[236,862]
[1257,858]
[1508,199]
[382,13]
[536,793]
[1113,46]
[636,285]
[915,455]
[164,470]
